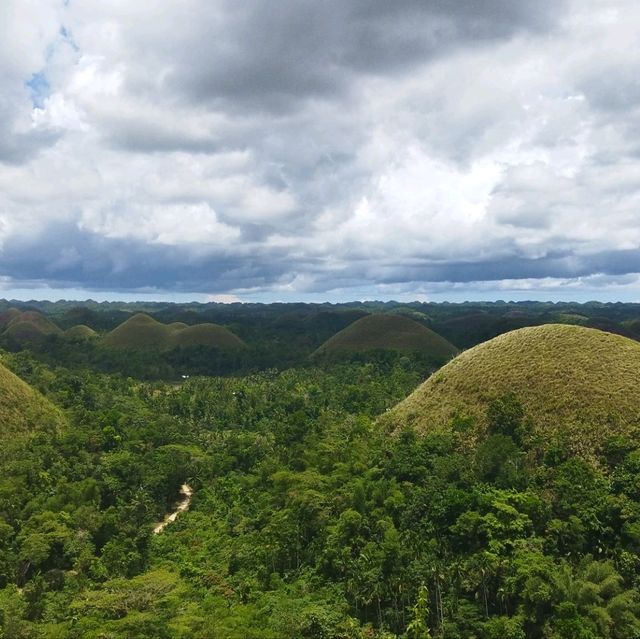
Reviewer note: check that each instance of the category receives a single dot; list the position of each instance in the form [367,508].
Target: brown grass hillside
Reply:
[575,383]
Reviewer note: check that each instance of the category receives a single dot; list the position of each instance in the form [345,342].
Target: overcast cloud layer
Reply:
[329,150]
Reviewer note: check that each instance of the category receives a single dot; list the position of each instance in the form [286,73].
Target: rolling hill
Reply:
[142,332]
[27,326]
[206,335]
[387,332]
[7,316]
[576,384]
[80,332]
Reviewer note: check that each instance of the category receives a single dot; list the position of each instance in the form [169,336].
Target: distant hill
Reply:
[576,384]
[28,326]
[22,408]
[387,332]
[7,316]
[206,335]
[142,332]
[80,332]
[604,324]
[466,331]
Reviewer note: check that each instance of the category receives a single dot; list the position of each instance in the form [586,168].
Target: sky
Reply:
[326,150]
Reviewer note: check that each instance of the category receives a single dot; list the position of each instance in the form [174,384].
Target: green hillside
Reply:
[7,316]
[207,335]
[575,383]
[142,332]
[28,326]
[22,408]
[387,332]
[80,332]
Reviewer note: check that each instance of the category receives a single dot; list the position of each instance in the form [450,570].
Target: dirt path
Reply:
[186,493]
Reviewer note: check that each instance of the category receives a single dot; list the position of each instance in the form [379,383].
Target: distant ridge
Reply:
[389,332]
[575,383]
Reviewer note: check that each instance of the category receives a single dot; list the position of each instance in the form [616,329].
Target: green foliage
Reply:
[417,628]
[307,520]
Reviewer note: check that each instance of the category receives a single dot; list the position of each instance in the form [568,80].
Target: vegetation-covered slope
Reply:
[566,377]
[28,326]
[22,408]
[387,332]
[80,332]
[206,335]
[307,520]
[142,332]
[139,332]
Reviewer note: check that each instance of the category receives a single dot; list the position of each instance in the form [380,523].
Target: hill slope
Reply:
[575,382]
[30,325]
[142,332]
[387,332]
[22,408]
[139,332]
[80,332]
[207,335]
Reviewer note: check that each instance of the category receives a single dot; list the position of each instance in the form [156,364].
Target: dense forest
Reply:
[309,517]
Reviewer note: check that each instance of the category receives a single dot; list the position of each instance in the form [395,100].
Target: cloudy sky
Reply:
[320,150]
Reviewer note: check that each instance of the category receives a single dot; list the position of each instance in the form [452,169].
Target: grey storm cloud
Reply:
[270,55]
[279,148]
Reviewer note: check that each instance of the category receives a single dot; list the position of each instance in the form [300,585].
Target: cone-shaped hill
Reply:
[7,316]
[390,333]
[27,326]
[575,384]
[80,332]
[22,408]
[207,335]
[142,332]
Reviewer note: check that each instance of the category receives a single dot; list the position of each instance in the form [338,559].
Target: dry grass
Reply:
[575,383]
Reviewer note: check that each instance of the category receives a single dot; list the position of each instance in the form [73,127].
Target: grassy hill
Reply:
[22,408]
[142,332]
[206,335]
[7,316]
[28,326]
[139,332]
[575,383]
[80,332]
[387,332]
